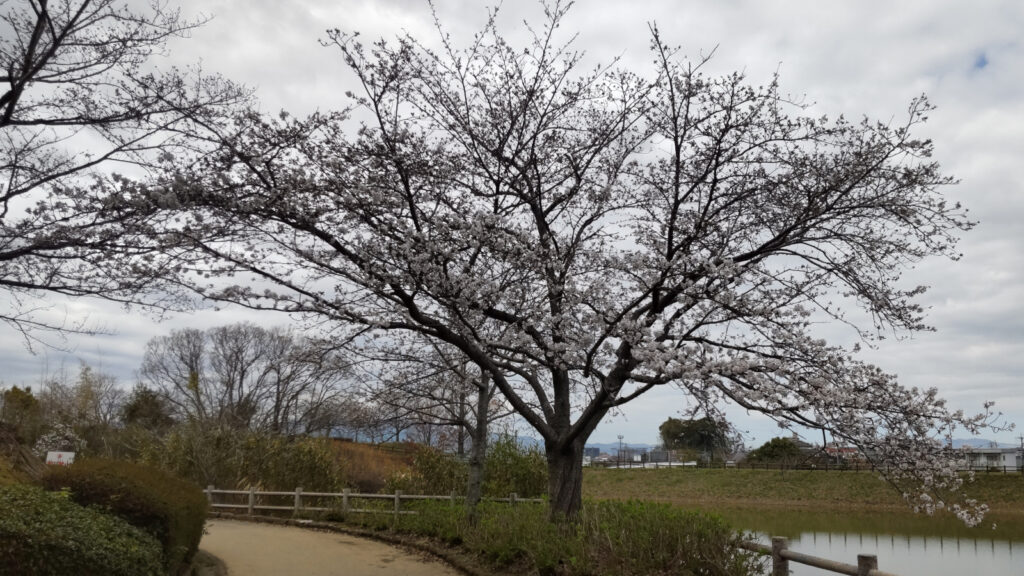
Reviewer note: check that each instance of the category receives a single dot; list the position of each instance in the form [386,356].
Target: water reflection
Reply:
[906,544]
[913,555]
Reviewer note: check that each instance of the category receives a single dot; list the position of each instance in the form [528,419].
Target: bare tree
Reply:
[364,421]
[245,377]
[432,385]
[89,404]
[585,237]
[79,96]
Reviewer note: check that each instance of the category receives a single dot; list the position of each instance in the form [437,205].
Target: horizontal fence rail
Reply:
[254,501]
[867,564]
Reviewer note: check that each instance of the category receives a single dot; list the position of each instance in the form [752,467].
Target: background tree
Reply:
[88,405]
[246,377]
[145,422]
[80,95]
[20,409]
[363,421]
[436,386]
[708,436]
[147,409]
[776,450]
[584,237]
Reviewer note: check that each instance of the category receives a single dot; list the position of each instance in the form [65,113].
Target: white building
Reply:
[1001,458]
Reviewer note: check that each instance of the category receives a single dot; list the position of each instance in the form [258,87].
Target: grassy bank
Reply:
[611,538]
[772,488]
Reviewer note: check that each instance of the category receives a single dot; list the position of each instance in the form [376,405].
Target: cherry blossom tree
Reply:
[80,94]
[585,236]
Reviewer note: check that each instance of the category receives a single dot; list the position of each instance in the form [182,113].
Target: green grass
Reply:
[611,538]
[772,488]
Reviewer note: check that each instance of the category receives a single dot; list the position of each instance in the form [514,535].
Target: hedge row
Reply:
[46,534]
[170,509]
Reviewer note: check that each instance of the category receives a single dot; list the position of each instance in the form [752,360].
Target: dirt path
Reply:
[250,549]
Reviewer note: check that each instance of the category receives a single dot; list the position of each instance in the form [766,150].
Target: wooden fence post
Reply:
[866,563]
[298,500]
[344,500]
[512,498]
[209,495]
[252,500]
[780,565]
[398,502]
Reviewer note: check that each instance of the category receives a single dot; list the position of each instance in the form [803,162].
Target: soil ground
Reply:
[251,549]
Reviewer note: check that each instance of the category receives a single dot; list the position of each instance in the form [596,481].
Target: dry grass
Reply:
[8,475]
[367,467]
[17,463]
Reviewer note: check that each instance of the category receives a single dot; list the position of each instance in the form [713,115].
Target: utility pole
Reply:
[618,455]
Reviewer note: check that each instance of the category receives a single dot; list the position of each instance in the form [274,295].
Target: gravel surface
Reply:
[250,549]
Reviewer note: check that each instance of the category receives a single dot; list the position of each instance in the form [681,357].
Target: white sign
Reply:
[60,458]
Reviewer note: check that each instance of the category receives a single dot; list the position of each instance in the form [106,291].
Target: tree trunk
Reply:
[462,425]
[565,481]
[478,456]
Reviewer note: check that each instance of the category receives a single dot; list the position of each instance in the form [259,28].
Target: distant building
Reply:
[591,451]
[1002,458]
[844,453]
[659,455]
[628,454]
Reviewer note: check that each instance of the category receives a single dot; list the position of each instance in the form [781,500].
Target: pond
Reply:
[906,544]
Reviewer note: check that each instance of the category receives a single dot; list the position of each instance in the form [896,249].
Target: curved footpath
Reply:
[251,549]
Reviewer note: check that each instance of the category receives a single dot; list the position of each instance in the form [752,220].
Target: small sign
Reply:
[60,458]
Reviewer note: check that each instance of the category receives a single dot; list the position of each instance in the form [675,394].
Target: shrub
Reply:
[169,508]
[610,538]
[510,467]
[513,467]
[45,533]
[226,458]
[637,537]
[431,472]
[280,463]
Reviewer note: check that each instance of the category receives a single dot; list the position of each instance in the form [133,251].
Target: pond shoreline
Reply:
[812,505]
[772,489]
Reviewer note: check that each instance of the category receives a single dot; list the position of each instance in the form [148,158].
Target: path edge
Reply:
[454,558]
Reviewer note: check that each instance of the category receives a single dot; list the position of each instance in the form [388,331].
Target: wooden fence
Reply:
[254,500]
[867,564]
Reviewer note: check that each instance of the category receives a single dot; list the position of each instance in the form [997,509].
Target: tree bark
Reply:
[462,425]
[478,455]
[565,480]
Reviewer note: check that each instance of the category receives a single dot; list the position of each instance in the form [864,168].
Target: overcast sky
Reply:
[852,57]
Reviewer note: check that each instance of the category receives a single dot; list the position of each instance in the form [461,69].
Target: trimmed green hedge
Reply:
[169,508]
[46,534]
